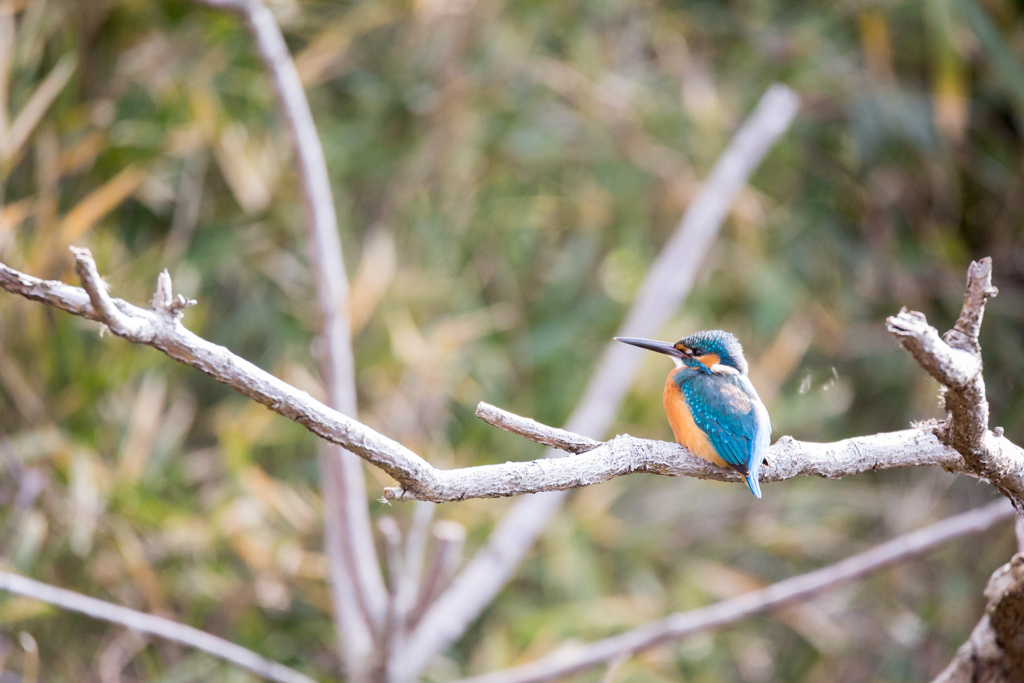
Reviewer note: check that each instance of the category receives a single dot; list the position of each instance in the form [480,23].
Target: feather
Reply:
[725,406]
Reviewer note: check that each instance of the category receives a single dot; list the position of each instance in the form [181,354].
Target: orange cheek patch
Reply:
[710,359]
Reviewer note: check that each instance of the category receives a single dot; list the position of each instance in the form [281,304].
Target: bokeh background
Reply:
[504,173]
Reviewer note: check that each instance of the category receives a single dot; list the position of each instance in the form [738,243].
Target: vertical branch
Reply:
[663,291]
[355,571]
[994,651]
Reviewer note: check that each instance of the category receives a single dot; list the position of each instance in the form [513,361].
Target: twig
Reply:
[405,582]
[613,668]
[787,458]
[349,541]
[955,361]
[162,329]
[449,539]
[681,624]
[187,207]
[415,551]
[623,455]
[561,439]
[662,293]
[140,622]
[417,478]
[117,654]
[122,325]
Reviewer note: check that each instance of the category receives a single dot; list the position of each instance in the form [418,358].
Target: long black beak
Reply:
[651,345]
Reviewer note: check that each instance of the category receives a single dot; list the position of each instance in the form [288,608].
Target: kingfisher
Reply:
[711,405]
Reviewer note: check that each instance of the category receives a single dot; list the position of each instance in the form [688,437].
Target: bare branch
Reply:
[120,324]
[979,290]
[613,668]
[449,539]
[414,553]
[140,622]
[332,295]
[994,652]
[681,624]
[788,458]
[355,571]
[162,330]
[234,5]
[405,582]
[561,439]
[955,361]
[671,276]
[419,480]
[662,293]
[950,367]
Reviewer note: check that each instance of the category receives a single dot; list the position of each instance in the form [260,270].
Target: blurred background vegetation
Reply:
[504,173]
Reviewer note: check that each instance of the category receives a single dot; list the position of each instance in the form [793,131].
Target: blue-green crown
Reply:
[722,344]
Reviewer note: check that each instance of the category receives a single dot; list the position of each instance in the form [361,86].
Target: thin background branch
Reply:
[162,329]
[675,626]
[662,293]
[954,360]
[140,622]
[994,651]
[360,598]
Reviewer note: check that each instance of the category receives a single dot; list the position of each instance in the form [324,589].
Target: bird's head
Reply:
[708,348]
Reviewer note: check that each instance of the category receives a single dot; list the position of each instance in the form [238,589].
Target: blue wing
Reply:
[726,408]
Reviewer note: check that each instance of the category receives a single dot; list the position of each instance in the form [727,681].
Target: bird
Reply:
[712,407]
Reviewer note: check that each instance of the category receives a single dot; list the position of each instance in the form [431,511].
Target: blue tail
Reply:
[760,450]
[752,482]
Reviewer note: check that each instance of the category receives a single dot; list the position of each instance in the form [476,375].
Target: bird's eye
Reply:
[696,352]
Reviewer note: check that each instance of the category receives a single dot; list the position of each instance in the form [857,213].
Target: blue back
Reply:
[726,407]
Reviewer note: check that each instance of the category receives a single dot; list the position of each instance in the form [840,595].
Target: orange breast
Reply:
[685,429]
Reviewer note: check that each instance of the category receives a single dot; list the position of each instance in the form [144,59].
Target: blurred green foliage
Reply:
[504,173]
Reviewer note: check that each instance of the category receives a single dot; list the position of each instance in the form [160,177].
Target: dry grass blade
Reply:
[6,57]
[12,215]
[101,201]
[40,100]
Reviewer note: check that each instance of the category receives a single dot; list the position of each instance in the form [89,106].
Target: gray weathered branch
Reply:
[416,477]
[663,291]
[561,439]
[567,661]
[140,622]
[787,458]
[994,652]
[360,598]
[954,360]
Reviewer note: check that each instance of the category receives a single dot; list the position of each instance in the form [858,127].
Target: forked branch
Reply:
[417,478]
[954,360]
